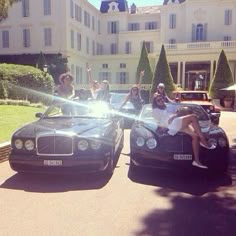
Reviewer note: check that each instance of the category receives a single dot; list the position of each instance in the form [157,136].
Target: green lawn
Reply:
[13,117]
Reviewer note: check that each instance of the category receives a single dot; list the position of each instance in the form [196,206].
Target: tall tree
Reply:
[162,73]
[4,6]
[144,64]
[222,78]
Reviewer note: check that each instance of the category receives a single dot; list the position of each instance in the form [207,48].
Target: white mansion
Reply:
[110,39]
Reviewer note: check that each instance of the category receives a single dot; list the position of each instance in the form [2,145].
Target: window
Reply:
[93,49]
[78,75]
[25,8]
[99,27]
[99,49]
[47,7]
[149,46]
[199,32]
[72,41]
[26,38]
[151,25]
[227,38]
[113,27]
[79,41]
[128,47]
[93,23]
[86,19]
[104,66]
[71,9]
[133,26]
[172,41]
[78,13]
[172,21]
[5,39]
[113,48]
[48,37]
[87,45]
[122,65]
[228,17]
[122,78]
[104,76]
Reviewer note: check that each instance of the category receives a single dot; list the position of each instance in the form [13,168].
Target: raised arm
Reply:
[125,101]
[141,74]
[88,69]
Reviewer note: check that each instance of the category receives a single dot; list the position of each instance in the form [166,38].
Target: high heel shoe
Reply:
[194,163]
[208,147]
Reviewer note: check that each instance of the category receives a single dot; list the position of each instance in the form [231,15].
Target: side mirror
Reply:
[38,115]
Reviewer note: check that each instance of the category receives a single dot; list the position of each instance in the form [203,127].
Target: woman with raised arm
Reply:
[134,95]
[94,84]
[175,123]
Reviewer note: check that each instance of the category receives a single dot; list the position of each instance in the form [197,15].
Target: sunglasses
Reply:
[159,99]
[134,89]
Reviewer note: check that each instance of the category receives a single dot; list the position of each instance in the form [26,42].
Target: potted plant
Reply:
[228,101]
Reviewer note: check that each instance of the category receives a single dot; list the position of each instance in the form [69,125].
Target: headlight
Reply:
[222,142]
[83,145]
[212,141]
[18,144]
[140,141]
[151,143]
[95,145]
[29,145]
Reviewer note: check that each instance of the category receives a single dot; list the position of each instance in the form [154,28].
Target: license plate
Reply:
[181,157]
[52,162]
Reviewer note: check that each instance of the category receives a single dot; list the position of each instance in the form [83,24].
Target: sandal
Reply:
[208,147]
[194,163]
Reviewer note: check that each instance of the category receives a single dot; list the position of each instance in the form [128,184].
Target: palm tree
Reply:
[4,6]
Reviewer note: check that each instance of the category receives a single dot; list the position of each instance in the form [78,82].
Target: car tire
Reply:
[108,172]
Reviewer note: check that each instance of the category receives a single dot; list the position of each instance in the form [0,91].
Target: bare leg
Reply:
[195,143]
[193,121]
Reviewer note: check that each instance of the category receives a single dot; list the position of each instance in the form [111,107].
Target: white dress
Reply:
[162,117]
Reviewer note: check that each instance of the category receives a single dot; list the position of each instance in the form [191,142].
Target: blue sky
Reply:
[138,3]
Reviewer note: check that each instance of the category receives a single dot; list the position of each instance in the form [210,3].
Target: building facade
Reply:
[110,39]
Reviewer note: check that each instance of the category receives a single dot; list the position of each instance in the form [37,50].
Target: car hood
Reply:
[84,127]
[198,102]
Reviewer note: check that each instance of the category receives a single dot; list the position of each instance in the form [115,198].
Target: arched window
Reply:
[200,32]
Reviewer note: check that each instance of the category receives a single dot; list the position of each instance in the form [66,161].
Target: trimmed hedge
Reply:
[20,82]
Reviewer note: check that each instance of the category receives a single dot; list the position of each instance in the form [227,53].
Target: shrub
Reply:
[27,83]
[222,78]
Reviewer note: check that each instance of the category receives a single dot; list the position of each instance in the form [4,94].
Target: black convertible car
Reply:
[70,135]
[151,147]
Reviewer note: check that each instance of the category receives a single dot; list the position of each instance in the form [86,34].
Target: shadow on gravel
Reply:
[50,183]
[209,208]
[190,180]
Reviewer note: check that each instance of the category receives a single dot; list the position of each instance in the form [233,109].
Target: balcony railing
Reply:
[201,45]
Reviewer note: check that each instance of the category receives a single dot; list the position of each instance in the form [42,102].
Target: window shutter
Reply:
[193,33]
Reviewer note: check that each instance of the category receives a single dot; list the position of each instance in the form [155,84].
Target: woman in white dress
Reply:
[175,123]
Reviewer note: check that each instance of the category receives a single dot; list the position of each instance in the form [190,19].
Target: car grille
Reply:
[177,143]
[54,145]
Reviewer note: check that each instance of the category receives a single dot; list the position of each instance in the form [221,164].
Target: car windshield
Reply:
[88,109]
[117,99]
[194,96]
[146,113]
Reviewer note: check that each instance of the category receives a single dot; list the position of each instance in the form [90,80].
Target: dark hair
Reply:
[154,102]
[63,76]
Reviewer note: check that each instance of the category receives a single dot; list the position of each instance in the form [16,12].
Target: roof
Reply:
[113,5]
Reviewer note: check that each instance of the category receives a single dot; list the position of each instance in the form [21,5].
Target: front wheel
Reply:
[110,167]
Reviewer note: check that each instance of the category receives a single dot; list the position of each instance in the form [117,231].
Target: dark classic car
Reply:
[70,135]
[128,111]
[201,98]
[151,147]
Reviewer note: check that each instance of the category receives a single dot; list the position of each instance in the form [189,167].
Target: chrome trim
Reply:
[54,135]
